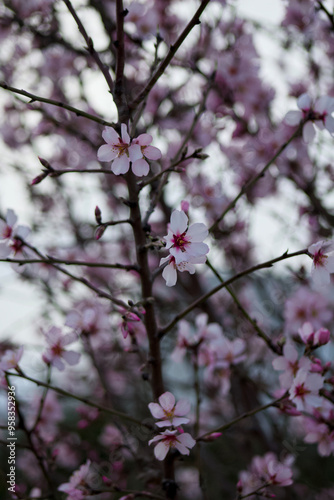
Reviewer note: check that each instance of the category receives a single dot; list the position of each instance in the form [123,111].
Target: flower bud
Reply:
[99,232]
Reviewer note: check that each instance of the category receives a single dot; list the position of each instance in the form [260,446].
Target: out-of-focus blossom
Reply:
[304,391]
[77,488]
[169,413]
[323,261]
[56,353]
[289,364]
[306,305]
[318,113]
[172,439]
[313,338]
[10,359]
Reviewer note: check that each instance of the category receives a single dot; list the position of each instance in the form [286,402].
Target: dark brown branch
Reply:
[50,261]
[119,94]
[59,104]
[172,51]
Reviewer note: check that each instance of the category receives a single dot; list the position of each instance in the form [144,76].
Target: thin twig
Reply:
[237,276]
[115,413]
[59,104]
[172,50]
[258,176]
[260,332]
[50,261]
[247,414]
[90,47]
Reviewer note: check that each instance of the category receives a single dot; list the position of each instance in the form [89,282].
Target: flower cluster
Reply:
[185,245]
[121,150]
[171,415]
[318,113]
[263,472]
[77,488]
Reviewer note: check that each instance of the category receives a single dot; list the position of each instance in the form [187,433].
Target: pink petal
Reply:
[178,222]
[104,153]
[197,249]
[170,275]
[11,217]
[177,421]
[182,407]
[140,167]
[156,410]
[125,135]
[320,276]
[187,440]
[308,132]
[152,153]
[167,401]
[71,357]
[5,250]
[161,450]
[197,232]
[329,124]
[144,139]
[304,102]
[110,135]
[293,118]
[120,165]
[135,152]
[181,448]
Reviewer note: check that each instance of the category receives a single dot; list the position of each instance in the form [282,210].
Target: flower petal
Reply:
[152,153]
[167,401]
[120,165]
[140,167]
[105,153]
[178,222]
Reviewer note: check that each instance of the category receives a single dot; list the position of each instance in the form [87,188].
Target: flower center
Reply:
[319,259]
[180,241]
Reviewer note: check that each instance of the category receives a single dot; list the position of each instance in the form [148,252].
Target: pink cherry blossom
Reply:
[183,241]
[169,273]
[169,413]
[304,391]
[11,234]
[172,439]
[289,364]
[323,261]
[56,353]
[140,167]
[118,150]
[318,113]
[10,359]
[321,434]
[77,488]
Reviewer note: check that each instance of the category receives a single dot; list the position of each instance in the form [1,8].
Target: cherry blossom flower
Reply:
[172,439]
[140,167]
[290,365]
[11,234]
[183,241]
[118,150]
[77,488]
[171,414]
[323,261]
[169,273]
[318,113]
[304,391]
[10,359]
[56,353]
[321,434]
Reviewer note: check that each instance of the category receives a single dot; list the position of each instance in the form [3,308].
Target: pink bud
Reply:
[98,215]
[321,337]
[213,436]
[99,232]
[45,163]
[38,179]
[185,206]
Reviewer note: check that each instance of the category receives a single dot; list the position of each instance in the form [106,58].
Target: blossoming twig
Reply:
[59,104]
[199,301]
[172,50]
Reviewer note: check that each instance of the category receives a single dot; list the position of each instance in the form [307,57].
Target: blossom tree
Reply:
[177,234]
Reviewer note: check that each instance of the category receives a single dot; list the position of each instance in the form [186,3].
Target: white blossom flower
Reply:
[172,439]
[323,261]
[118,150]
[304,391]
[169,413]
[319,113]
